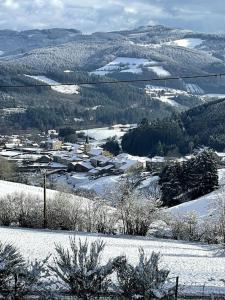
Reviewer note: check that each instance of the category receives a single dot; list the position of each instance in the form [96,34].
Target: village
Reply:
[83,164]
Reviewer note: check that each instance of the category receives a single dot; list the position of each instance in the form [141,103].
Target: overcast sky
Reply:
[106,15]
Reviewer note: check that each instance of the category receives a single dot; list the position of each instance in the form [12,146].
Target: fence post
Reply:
[176,288]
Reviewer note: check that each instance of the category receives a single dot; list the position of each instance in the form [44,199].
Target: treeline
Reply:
[179,134]
[156,138]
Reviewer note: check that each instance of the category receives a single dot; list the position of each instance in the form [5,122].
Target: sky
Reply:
[108,15]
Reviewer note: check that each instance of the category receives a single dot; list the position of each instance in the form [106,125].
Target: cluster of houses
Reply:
[81,157]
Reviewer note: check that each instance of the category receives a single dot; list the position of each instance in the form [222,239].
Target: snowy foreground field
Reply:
[198,265]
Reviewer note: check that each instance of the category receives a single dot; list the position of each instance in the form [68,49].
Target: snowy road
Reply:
[196,264]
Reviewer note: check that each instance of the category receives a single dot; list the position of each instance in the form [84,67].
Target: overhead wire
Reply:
[81,83]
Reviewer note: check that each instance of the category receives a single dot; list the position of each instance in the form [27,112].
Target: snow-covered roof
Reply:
[32,149]
[94,171]
[102,158]
[128,164]
[12,145]
[220,154]
[29,156]
[158,159]
[95,151]
[108,167]
[9,153]
[86,164]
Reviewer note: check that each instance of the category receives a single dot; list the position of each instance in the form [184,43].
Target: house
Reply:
[32,150]
[220,157]
[96,151]
[9,154]
[127,163]
[131,165]
[65,158]
[53,144]
[94,172]
[156,163]
[52,133]
[44,159]
[72,166]
[104,170]
[83,166]
[100,161]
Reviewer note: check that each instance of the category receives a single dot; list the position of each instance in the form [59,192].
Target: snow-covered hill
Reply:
[131,65]
[56,86]
[197,265]
[9,188]
[187,43]
[58,55]
[204,206]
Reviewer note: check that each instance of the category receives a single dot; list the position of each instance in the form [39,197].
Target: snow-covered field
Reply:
[156,92]
[196,264]
[215,95]
[9,188]
[68,71]
[101,186]
[194,89]
[125,64]
[100,134]
[159,71]
[64,89]
[166,99]
[190,43]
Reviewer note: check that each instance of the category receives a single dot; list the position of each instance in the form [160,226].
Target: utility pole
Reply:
[176,288]
[45,204]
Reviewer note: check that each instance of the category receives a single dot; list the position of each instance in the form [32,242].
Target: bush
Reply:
[17,277]
[10,262]
[186,227]
[29,279]
[64,214]
[81,270]
[145,279]
[7,211]
[21,209]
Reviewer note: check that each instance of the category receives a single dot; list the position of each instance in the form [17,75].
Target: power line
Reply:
[114,82]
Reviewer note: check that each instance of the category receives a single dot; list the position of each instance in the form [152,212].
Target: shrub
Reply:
[145,279]
[21,209]
[18,278]
[7,210]
[10,262]
[62,213]
[29,279]
[186,227]
[81,270]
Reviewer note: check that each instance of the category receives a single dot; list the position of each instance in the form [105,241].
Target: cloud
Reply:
[11,4]
[108,15]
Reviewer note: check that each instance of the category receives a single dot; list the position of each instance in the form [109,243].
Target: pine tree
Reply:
[191,179]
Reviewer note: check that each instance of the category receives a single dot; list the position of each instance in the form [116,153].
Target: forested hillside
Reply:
[203,125]
[68,56]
